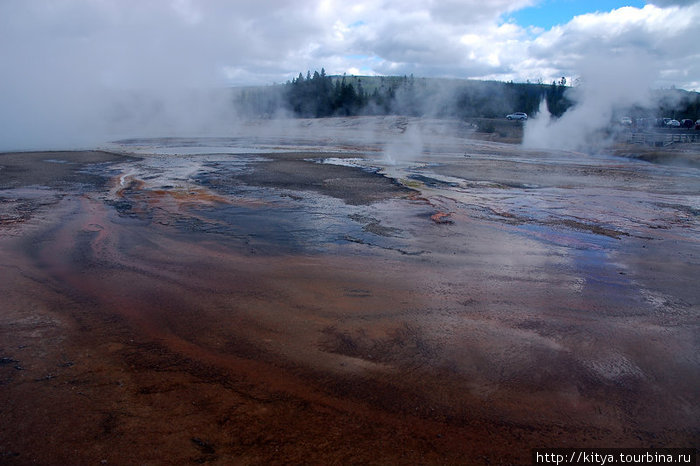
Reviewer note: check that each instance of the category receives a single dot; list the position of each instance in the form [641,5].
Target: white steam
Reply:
[77,73]
[405,146]
[608,85]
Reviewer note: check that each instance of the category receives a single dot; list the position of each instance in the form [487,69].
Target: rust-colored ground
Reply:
[151,325]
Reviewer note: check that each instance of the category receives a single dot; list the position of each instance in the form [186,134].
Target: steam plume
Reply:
[608,85]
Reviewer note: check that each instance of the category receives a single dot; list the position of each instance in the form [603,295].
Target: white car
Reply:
[517,116]
[673,124]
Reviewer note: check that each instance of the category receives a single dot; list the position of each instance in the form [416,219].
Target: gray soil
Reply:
[296,172]
[52,169]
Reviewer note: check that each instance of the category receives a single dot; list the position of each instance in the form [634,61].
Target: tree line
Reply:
[318,95]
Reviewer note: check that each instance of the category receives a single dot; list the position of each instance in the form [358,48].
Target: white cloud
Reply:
[188,42]
[665,35]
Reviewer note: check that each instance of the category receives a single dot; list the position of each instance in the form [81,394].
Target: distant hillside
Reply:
[318,95]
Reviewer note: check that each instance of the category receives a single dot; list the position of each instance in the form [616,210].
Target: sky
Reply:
[549,13]
[136,43]
[65,64]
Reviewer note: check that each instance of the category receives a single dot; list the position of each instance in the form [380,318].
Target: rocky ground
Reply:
[380,291]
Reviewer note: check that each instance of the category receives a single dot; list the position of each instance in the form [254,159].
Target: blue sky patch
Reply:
[550,13]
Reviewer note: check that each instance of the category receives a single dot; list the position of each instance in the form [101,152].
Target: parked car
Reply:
[687,123]
[626,121]
[673,124]
[517,116]
[697,124]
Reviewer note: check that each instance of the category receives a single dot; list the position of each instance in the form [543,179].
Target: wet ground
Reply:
[382,291]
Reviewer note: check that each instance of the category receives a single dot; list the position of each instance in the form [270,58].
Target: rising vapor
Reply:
[79,73]
[608,85]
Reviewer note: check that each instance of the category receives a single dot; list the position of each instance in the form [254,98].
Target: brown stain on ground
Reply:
[124,364]
[130,342]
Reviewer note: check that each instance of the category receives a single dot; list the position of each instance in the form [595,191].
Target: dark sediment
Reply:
[298,172]
[52,169]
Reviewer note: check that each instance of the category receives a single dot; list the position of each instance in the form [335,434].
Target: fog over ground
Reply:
[74,73]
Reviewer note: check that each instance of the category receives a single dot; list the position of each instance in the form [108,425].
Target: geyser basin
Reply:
[247,307]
